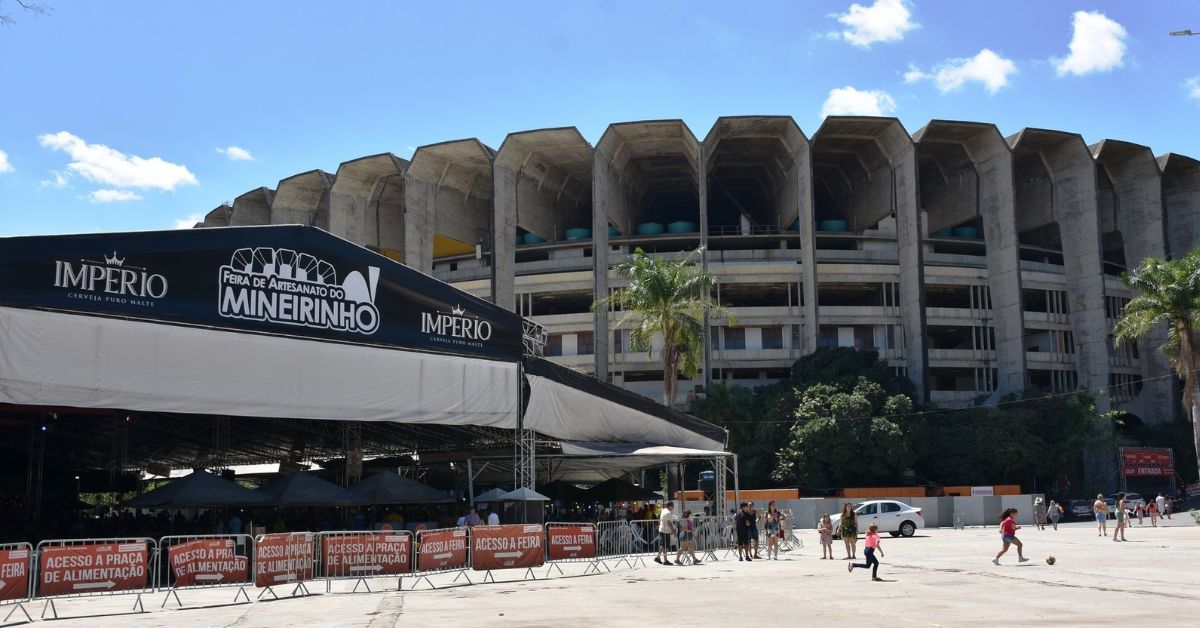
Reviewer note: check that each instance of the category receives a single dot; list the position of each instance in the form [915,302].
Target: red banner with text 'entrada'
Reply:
[1145,462]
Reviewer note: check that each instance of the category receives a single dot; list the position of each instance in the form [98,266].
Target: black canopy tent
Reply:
[387,487]
[198,489]
[305,489]
[615,490]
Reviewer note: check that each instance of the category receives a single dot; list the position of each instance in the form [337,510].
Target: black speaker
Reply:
[228,474]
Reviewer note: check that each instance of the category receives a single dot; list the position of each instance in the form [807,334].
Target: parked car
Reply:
[1131,500]
[1080,508]
[895,518]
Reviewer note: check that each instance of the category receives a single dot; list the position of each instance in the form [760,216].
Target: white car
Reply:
[895,518]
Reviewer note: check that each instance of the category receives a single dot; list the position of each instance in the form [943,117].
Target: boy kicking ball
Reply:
[1008,534]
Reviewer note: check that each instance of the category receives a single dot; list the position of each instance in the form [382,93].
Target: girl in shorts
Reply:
[1008,534]
[772,526]
[872,546]
[687,538]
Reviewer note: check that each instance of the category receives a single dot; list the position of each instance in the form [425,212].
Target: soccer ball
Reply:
[1050,560]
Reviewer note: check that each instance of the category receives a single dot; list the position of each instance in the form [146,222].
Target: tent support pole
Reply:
[470,483]
[737,489]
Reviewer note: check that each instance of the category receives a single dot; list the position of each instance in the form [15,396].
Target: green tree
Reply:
[846,437]
[665,298]
[1168,293]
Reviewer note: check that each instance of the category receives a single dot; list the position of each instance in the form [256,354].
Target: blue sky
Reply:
[139,114]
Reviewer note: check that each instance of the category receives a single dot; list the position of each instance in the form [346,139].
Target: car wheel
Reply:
[908,529]
[894,534]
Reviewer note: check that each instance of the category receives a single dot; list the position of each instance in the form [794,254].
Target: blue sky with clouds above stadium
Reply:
[145,115]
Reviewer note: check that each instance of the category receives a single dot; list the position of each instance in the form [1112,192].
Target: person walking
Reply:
[1008,535]
[1167,508]
[1039,513]
[1140,511]
[781,518]
[872,546]
[666,528]
[1162,506]
[1100,509]
[1055,513]
[1122,519]
[848,531]
[1153,508]
[825,531]
[687,535]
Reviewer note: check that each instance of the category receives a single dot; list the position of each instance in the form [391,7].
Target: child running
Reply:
[872,546]
[1008,534]
[825,529]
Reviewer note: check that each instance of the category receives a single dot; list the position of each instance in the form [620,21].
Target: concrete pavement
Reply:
[940,577]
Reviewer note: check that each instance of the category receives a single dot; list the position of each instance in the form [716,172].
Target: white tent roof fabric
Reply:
[561,411]
[56,359]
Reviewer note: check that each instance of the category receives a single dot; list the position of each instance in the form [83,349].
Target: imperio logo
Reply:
[110,281]
[283,286]
[456,327]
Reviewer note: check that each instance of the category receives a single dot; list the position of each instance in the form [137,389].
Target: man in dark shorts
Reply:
[741,525]
[753,512]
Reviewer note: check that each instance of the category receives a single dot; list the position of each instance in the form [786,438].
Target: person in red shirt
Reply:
[1008,534]
[869,553]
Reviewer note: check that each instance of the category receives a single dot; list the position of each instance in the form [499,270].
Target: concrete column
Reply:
[604,189]
[1139,218]
[504,235]
[366,202]
[909,233]
[997,207]
[252,208]
[303,199]
[800,182]
[702,181]
[419,223]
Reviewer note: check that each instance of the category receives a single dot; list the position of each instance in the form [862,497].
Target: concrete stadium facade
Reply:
[976,264]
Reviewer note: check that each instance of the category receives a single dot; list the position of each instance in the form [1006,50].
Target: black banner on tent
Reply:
[290,280]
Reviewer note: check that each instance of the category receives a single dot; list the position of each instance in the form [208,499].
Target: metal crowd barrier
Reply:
[284,558]
[350,555]
[572,543]
[16,577]
[442,550]
[790,541]
[201,561]
[90,567]
[711,534]
[511,546]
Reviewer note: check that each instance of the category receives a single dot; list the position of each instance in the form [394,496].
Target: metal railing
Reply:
[16,577]
[442,550]
[89,567]
[204,561]
[284,558]
[346,555]
[572,543]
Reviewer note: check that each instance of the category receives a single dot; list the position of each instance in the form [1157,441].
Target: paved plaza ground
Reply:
[940,577]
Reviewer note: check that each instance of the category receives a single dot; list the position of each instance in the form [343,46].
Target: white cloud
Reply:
[236,153]
[59,181]
[112,196]
[986,67]
[189,221]
[1193,88]
[101,164]
[884,21]
[4,165]
[848,101]
[1098,45]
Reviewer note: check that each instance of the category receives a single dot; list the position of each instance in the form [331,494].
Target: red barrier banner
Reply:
[281,558]
[14,574]
[571,541]
[93,568]
[1147,462]
[514,546]
[442,549]
[207,562]
[366,554]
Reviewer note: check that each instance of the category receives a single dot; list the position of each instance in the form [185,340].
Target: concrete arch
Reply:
[366,203]
[757,174]
[252,208]
[639,170]
[218,217]
[1181,202]
[1138,217]
[303,199]
[1055,182]
[447,195]
[947,150]
[542,182]
[868,166]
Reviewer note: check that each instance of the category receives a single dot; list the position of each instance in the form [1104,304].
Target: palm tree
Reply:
[665,298]
[1168,292]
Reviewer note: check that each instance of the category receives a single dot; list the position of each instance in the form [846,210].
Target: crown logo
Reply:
[114,260]
[457,310]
